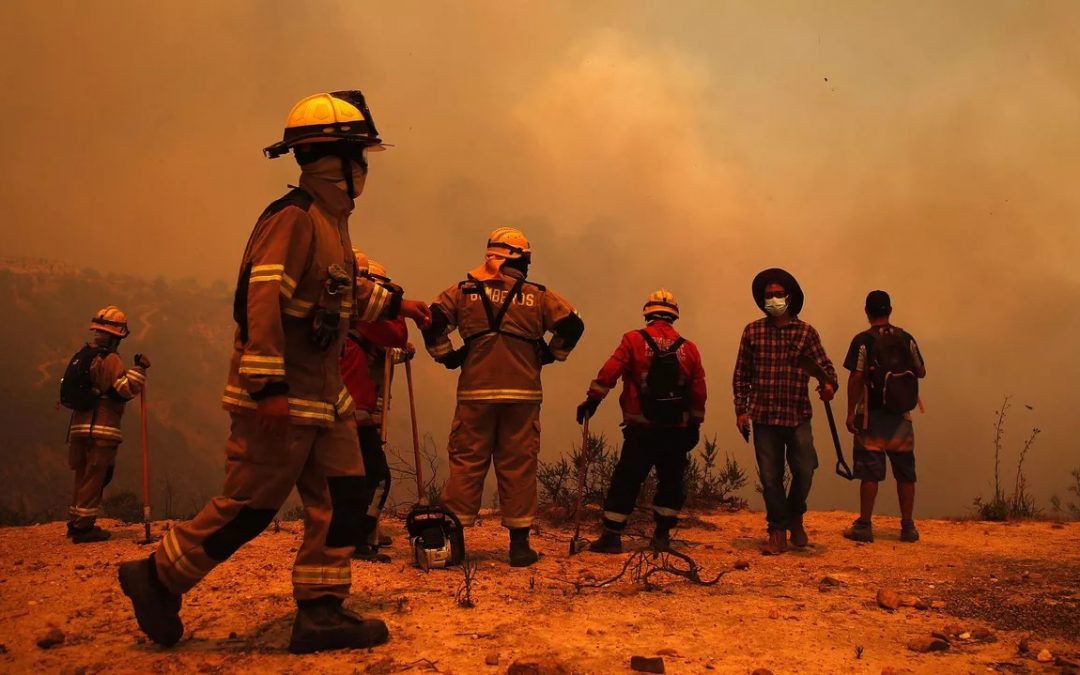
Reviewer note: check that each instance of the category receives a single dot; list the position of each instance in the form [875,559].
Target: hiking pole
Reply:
[145,466]
[415,435]
[814,369]
[577,543]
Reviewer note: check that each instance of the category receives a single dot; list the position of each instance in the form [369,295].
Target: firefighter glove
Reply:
[546,355]
[693,435]
[142,360]
[587,408]
[454,359]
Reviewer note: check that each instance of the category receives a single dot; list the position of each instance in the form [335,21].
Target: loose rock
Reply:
[762,671]
[908,600]
[54,636]
[537,667]
[647,664]
[492,659]
[888,599]
[928,644]
[937,604]
[1044,656]
[742,564]
[922,605]
[831,581]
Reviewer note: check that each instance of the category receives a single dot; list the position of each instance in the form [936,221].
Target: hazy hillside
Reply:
[184,327]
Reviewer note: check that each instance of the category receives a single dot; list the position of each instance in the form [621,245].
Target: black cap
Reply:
[878,304]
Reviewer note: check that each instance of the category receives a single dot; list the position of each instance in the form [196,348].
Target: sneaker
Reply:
[799,538]
[156,608]
[609,542]
[777,542]
[90,535]
[908,533]
[860,530]
[324,625]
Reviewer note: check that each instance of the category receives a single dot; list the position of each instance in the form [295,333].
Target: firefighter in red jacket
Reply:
[663,405]
[363,367]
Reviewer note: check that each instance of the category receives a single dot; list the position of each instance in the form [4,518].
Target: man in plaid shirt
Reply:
[771,396]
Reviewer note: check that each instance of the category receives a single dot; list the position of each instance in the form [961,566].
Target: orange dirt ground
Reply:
[1015,581]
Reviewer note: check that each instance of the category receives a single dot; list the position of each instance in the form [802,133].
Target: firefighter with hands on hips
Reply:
[663,406]
[292,418]
[97,386]
[503,319]
[363,365]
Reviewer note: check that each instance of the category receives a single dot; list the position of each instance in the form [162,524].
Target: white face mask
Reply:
[776,306]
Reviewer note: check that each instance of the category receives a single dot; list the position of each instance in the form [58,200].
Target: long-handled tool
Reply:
[145,466]
[811,366]
[388,371]
[578,543]
[436,534]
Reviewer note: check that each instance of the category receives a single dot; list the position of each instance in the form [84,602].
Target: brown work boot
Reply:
[799,538]
[777,542]
[323,624]
[609,542]
[156,608]
[370,554]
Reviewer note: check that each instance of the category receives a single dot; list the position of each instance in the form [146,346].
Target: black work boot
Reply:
[90,535]
[157,609]
[610,541]
[521,555]
[661,540]
[370,554]
[323,624]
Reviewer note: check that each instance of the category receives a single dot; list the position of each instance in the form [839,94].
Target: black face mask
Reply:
[520,264]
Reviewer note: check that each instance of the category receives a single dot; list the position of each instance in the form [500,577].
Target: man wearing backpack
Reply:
[663,406]
[502,319]
[96,387]
[291,417]
[771,399]
[883,388]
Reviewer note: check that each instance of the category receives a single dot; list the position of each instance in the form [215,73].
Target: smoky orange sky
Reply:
[931,149]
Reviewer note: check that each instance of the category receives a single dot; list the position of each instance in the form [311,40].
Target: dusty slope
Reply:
[774,614]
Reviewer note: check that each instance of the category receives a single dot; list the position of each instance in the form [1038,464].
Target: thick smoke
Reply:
[928,150]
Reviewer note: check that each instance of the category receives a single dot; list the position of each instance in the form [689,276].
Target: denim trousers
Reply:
[773,445]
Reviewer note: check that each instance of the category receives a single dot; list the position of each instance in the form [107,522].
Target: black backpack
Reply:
[663,396]
[77,390]
[891,367]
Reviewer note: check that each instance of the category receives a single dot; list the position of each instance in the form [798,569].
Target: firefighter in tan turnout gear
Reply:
[503,320]
[292,418]
[96,386]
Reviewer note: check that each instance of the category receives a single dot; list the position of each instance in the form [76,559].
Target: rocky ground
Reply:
[1002,597]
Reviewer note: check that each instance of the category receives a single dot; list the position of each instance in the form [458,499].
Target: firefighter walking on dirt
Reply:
[363,367]
[663,406]
[96,386]
[291,417]
[503,320]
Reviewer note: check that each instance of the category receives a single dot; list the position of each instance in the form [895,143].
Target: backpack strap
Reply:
[494,318]
[679,342]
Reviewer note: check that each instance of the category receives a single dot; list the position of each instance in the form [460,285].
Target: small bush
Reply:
[125,506]
[1021,503]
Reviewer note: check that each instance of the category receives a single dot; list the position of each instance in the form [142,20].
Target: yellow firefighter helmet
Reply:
[361,262]
[376,272]
[661,302]
[326,118]
[508,243]
[112,321]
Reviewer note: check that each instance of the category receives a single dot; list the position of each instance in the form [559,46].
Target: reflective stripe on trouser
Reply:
[506,434]
[645,448]
[92,461]
[261,469]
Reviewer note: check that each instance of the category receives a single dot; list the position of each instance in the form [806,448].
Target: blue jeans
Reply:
[771,445]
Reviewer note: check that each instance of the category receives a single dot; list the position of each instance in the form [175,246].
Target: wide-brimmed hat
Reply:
[775,275]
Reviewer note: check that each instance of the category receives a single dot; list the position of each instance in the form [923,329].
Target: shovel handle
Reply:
[583,467]
[145,434]
[415,434]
